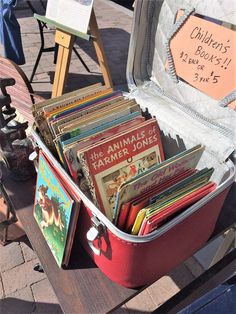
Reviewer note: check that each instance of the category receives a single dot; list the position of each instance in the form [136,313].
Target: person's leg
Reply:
[10,33]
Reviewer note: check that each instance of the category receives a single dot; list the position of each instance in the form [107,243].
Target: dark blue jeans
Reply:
[10,34]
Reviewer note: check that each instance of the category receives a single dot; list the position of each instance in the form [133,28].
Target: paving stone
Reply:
[45,298]
[28,252]
[143,302]
[181,276]
[195,268]
[21,276]
[162,290]
[43,292]
[21,301]
[10,256]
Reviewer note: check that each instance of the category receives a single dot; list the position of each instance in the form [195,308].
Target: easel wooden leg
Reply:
[66,42]
[100,50]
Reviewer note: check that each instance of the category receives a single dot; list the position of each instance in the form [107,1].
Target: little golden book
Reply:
[52,210]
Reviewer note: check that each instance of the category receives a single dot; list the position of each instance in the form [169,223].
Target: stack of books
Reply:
[113,152]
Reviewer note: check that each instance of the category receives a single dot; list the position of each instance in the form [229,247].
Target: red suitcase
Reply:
[134,261]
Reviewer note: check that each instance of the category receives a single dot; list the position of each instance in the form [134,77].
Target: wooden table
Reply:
[83,288]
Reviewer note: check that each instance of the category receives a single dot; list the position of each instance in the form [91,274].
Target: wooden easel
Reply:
[65,38]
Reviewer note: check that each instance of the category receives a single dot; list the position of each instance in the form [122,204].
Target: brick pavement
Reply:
[22,290]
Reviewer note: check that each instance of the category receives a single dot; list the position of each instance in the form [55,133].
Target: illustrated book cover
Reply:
[117,159]
[71,152]
[157,174]
[53,210]
[171,196]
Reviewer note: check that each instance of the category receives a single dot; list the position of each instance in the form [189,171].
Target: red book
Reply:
[143,200]
[111,162]
[153,222]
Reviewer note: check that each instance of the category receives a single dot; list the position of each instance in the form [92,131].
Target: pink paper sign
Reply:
[204,56]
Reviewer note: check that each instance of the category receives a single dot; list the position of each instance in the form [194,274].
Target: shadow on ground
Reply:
[14,305]
[111,38]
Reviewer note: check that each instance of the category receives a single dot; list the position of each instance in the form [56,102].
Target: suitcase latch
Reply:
[95,233]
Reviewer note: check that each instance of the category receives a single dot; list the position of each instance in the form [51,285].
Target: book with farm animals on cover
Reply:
[109,163]
[55,211]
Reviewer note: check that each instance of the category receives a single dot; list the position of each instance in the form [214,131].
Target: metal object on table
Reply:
[10,215]
[15,147]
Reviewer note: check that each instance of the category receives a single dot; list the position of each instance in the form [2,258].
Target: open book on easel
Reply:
[72,18]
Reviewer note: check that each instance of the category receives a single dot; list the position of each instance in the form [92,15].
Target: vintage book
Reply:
[150,223]
[55,211]
[92,121]
[90,130]
[171,195]
[64,99]
[111,162]
[70,153]
[159,173]
[72,188]
[103,114]
[71,116]
[38,110]
[85,101]
[143,200]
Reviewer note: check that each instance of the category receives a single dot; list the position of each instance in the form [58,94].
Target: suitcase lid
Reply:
[156,87]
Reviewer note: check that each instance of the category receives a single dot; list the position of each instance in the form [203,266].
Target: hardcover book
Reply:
[54,209]
[111,162]
[71,152]
[156,175]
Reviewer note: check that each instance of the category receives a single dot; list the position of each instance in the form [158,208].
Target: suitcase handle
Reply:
[95,233]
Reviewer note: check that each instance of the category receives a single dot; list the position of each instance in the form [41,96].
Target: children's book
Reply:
[111,162]
[70,117]
[150,223]
[74,127]
[71,108]
[70,153]
[92,121]
[157,174]
[170,195]
[64,99]
[55,211]
[143,200]
[39,109]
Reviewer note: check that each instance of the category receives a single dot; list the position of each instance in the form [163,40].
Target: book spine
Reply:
[88,177]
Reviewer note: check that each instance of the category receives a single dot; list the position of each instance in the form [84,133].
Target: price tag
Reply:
[204,56]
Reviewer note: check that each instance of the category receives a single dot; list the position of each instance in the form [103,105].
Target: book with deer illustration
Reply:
[54,210]
[109,163]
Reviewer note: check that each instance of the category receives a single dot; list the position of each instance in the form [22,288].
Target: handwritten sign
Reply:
[204,56]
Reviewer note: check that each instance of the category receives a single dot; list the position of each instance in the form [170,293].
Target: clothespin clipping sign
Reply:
[204,56]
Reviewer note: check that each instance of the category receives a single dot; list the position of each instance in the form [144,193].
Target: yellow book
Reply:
[78,103]
[138,221]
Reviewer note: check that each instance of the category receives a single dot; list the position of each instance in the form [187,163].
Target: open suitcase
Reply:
[134,261]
